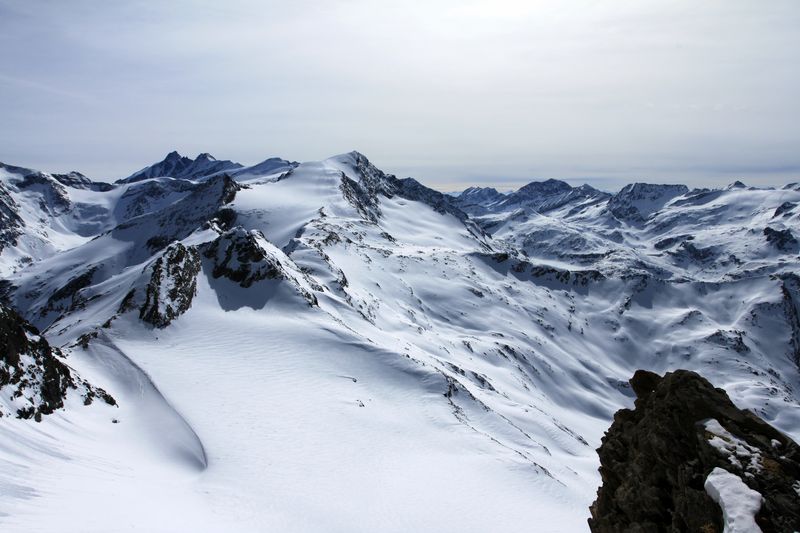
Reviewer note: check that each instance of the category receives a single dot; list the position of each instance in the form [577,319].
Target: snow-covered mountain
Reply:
[479,200]
[182,167]
[536,196]
[322,346]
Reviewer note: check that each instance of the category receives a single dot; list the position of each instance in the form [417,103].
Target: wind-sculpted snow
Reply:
[338,339]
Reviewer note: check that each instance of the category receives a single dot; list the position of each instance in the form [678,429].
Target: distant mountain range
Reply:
[323,346]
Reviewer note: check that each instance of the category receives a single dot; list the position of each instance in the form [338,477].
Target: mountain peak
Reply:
[353,157]
[548,186]
[488,191]
[174,165]
[736,185]
[637,201]
[550,194]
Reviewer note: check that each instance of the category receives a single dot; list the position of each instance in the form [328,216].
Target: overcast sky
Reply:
[495,92]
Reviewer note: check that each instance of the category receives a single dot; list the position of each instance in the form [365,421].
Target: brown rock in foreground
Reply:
[655,460]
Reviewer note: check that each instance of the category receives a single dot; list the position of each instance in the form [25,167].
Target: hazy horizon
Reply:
[499,181]
[453,93]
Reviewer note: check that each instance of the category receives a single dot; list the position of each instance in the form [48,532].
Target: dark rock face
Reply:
[364,193]
[656,458]
[669,242]
[689,251]
[411,189]
[784,208]
[180,167]
[782,239]
[362,197]
[541,274]
[246,257]
[10,221]
[790,292]
[70,296]
[33,380]
[239,257]
[172,286]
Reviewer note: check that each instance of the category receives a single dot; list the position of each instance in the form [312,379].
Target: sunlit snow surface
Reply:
[436,386]
[740,504]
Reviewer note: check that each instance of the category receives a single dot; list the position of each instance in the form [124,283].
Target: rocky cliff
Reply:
[687,459]
[34,380]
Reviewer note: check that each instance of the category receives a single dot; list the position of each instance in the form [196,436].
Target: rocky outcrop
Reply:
[239,257]
[781,239]
[33,379]
[411,189]
[172,286]
[363,192]
[361,196]
[790,302]
[247,257]
[656,461]
[10,221]
[69,296]
[540,274]
[692,253]
[784,209]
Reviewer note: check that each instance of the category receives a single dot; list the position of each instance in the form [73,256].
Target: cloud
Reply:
[447,90]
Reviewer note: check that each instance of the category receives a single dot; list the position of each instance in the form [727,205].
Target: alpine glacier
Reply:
[321,346]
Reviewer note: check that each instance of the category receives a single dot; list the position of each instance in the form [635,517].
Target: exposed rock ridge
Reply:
[656,460]
[172,286]
[33,379]
[247,257]
[10,221]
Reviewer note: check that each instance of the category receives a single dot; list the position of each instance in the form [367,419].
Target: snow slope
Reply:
[324,347]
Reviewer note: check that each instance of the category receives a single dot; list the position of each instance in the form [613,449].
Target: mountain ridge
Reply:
[308,316]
